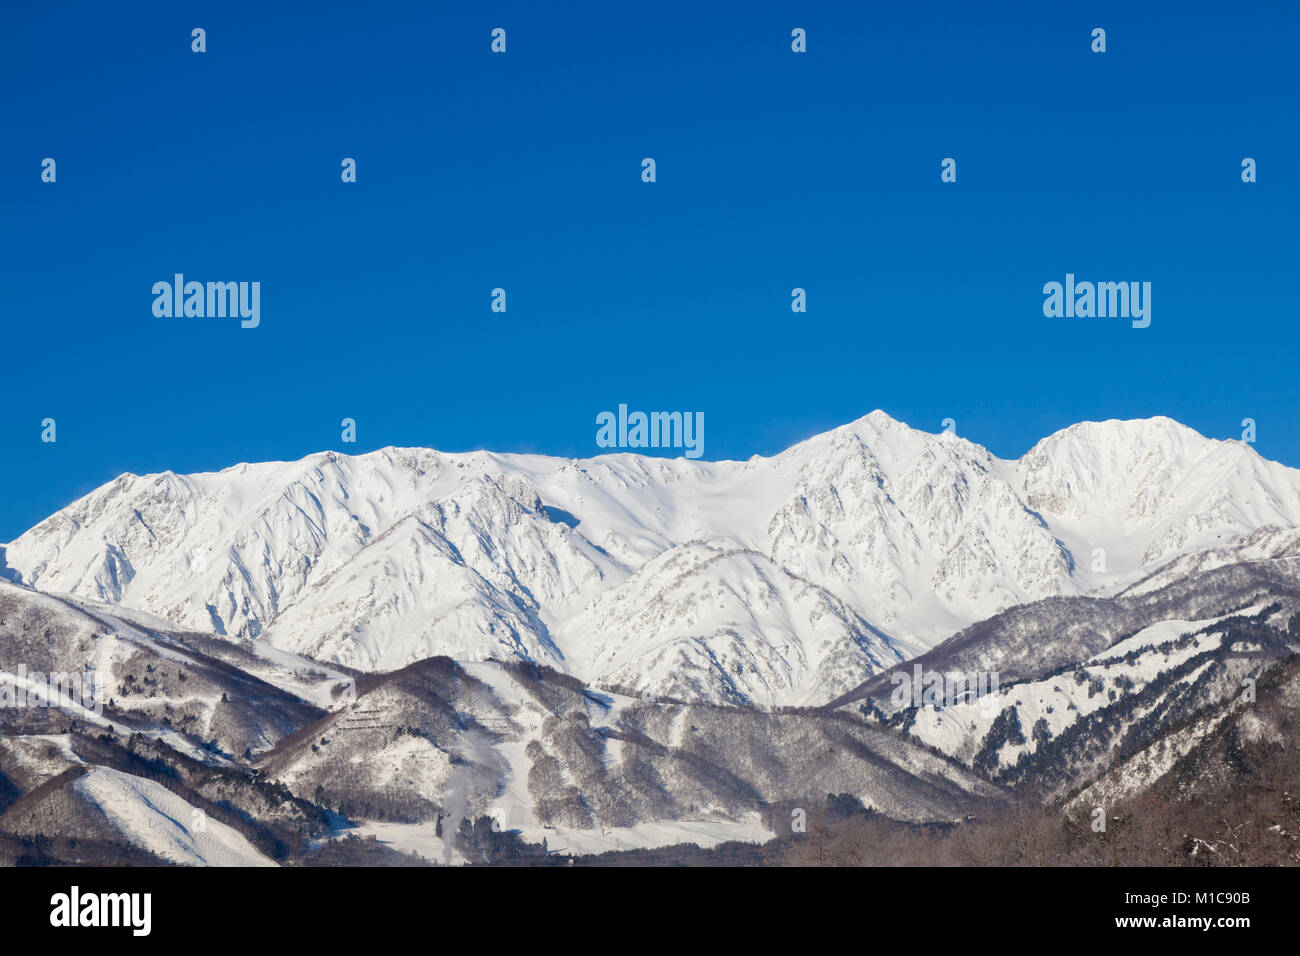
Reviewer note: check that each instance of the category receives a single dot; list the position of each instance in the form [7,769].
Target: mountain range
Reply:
[621,653]
[771,582]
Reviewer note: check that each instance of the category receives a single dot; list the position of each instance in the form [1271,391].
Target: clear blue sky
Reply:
[522,170]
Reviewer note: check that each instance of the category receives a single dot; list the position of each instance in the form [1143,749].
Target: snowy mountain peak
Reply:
[1164,486]
[1158,432]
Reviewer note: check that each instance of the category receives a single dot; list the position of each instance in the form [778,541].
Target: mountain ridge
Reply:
[377,560]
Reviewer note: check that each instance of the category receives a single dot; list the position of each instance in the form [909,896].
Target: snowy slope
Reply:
[151,816]
[1061,700]
[700,622]
[770,581]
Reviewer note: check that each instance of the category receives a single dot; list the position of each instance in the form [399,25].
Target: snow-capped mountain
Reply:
[1147,491]
[782,580]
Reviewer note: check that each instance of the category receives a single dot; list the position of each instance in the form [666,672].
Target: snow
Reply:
[421,838]
[703,833]
[153,817]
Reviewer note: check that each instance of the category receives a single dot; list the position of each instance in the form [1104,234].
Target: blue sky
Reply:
[775,170]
